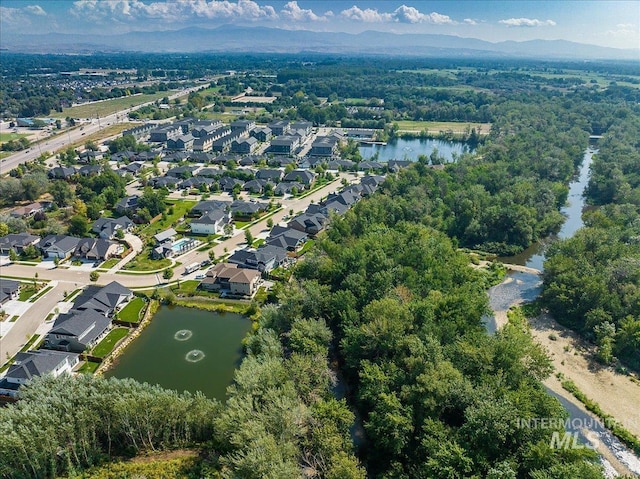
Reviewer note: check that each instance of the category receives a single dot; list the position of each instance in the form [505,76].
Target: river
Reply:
[523,287]
[186,349]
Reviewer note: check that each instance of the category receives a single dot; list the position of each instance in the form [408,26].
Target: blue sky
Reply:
[608,23]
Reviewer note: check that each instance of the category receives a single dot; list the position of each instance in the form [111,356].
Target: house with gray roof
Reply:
[247,209]
[261,134]
[279,127]
[208,205]
[287,238]
[310,223]
[164,182]
[9,289]
[30,364]
[77,331]
[59,246]
[211,223]
[244,146]
[272,175]
[305,177]
[97,249]
[288,188]
[263,259]
[17,242]
[107,227]
[61,172]
[166,235]
[181,143]
[105,300]
[285,144]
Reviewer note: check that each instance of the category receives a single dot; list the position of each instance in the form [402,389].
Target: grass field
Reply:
[131,312]
[105,346]
[4,137]
[107,107]
[27,291]
[89,367]
[180,208]
[142,262]
[110,263]
[437,126]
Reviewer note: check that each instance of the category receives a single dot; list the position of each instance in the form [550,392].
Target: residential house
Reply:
[97,249]
[196,182]
[210,172]
[243,126]
[304,126]
[208,205]
[165,236]
[127,205]
[247,209]
[244,146]
[231,279]
[275,176]
[278,128]
[288,188]
[176,156]
[90,156]
[228,183]
[343,165]
[181,171]
[203,143]
[263,259]
[310,223]
[59,246]
[181,143]
[107,228]
[324,146]
[61,172]
[284,144]
[165,133]
[164,182]
[211,223]
[255,186]
[77,331]
[248,160]
[17,242]
[305,177]
[397,165]
[281,161]
[287,238]
[29,210]
[9,289]
[224,143]
[89,170]
[261,134]
[371,165]
[106,300]
[140,132]
[30,364]
[201,157]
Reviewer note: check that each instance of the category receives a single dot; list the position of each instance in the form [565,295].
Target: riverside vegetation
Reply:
[374,362]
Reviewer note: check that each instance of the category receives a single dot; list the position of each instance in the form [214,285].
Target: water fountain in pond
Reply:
[183,335]
[194,356]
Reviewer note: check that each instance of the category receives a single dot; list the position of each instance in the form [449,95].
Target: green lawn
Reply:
[41,293]
[5,137]
[131,312]
[110,263]
[26,292]
[187,287]
[109,342]
[306,247]
[180,208]
[107,107]
[143,262]
[89,367]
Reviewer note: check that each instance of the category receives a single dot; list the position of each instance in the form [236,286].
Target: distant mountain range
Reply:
[237,39]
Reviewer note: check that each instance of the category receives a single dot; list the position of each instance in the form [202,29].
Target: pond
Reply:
[186,349]
[411,148]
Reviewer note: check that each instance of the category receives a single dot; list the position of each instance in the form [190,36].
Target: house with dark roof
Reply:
[244,146]
[284,144]
[263,259]
[89,170]
[272,175]
[182,171]
[29,210]
[371,165]
[305,126]
[255,186]
[17,242]
[181,143]
[228,183]
[211,223]
[105,300]
[77,331]
[196,182]
[281,161]
[247,209]
[208,205]
[305,177]
[9,289]
[242,126]
[288,188]
[397,165]
[230,279]
[127,205]
[286,238]
[30,364]
[224,143]
[279,127]
[95,249]
[61,172]
[210,172]
[310,223]
[324,146]
[164,182]
[341,165]
[107,228]
[261,134]
[166,235]
[59,246]
[90,156]
[164,133]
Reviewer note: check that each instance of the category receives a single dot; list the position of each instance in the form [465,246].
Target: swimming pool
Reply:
[182,244]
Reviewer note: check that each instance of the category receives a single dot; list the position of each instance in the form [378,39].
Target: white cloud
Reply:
[527,22]
[470,21]
[369,15]
[624,30]
[171,12]
[292,11]
[35,10]
[402,14]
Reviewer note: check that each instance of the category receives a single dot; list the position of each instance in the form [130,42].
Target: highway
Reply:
[76,134]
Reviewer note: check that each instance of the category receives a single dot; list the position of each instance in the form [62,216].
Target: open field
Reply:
[98,136]
[5,137]
[107,107]
[180,208]
[254,99]
[437,126]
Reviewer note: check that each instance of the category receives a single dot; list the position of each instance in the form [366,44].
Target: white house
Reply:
[211,223]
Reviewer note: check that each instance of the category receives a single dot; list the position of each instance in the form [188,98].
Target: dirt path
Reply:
[617,394]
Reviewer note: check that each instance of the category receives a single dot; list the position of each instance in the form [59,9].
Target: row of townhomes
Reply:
[241,274]
[75,332]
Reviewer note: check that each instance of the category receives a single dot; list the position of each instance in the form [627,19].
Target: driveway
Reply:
[136,247]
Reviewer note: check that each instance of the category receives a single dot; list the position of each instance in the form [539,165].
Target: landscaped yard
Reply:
[131,312]
[189,287]
[109,342]
[26,291]
[180,208]
[143,262]
[89,367]
[437,126]
[110,263]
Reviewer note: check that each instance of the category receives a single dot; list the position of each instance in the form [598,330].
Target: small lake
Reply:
[186,349]
[411,148]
